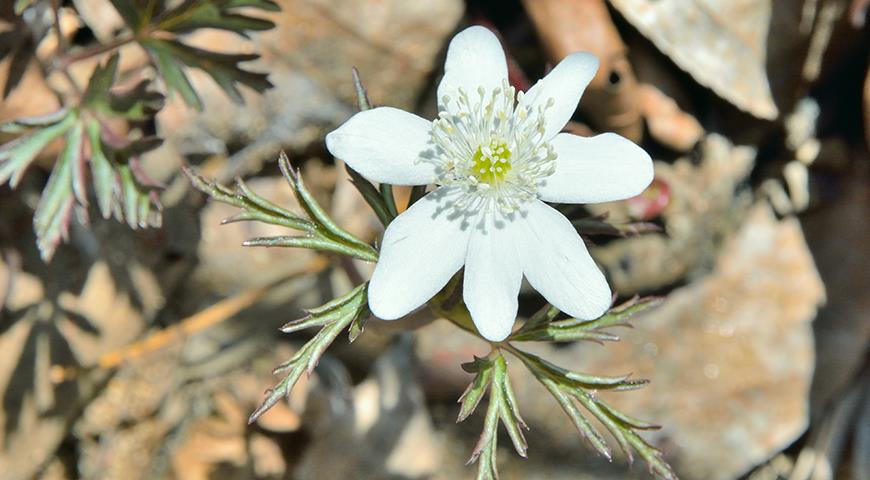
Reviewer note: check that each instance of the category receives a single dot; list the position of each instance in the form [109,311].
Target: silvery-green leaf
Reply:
[101,170]
[333,317]
[491,377]
[220,14]
[17,155]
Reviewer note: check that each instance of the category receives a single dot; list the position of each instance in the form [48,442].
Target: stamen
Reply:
[492,147]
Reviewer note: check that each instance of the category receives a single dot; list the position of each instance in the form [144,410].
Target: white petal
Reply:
[558,266]
[493,275]
[422,248]
[564,84]
[596,169]
[384,144]
[474,59]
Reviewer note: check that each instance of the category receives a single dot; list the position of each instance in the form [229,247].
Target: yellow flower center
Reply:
[491,162]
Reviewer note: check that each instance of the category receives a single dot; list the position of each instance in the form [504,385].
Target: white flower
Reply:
[496,156]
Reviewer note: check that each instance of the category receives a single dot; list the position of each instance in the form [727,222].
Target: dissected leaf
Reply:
[101,80]
[172,56]
[136,13]
[138,102]
[172,72]
[319,231]
[371,195]
[52,216]
[117,188]
[469,400]
[333,317]
[73,148]
[135,103]
[139,207]
[573,388]
[101,171]
[317,213]
[347,304]
[255,208]
[17,155]
[312,243]
[21,125]
[220,14]
[491,376]
[376,199]
[572,329]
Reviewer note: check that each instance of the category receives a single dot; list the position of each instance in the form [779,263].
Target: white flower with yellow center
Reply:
[496,156]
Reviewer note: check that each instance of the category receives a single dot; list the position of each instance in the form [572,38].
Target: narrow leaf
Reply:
[135,16]
[52,216]
[218,14]
[314,210]
[256,207]
[172,72]
[103,176]
[313,243]
[349,307]
[73,149]
[223,68]
[101,81]
[491,375]
[474,392]
[17,155]
[371,195]
[20,125]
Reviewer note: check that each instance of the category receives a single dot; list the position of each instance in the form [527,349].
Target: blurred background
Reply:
[139,354]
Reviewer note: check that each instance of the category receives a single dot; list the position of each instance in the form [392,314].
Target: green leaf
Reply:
[101,170]
[371,195]
[101,81]
[136,13]
[316,213]
[219,14]
[477,388]
[542,328]
[135,148]
[255,208]
[491,375]
[389,199]
[383,202]
[314,243]
[16,156]
[172,72]
[333,318]
[572,388]
[21,125]
[171,56]
[417,192]
[350,303]
[135,103]
[319,231]
[358,325]
[139,207]
[362,97]
[52,216]
[73,148]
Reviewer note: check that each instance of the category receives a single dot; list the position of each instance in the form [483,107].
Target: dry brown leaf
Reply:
[721,43]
